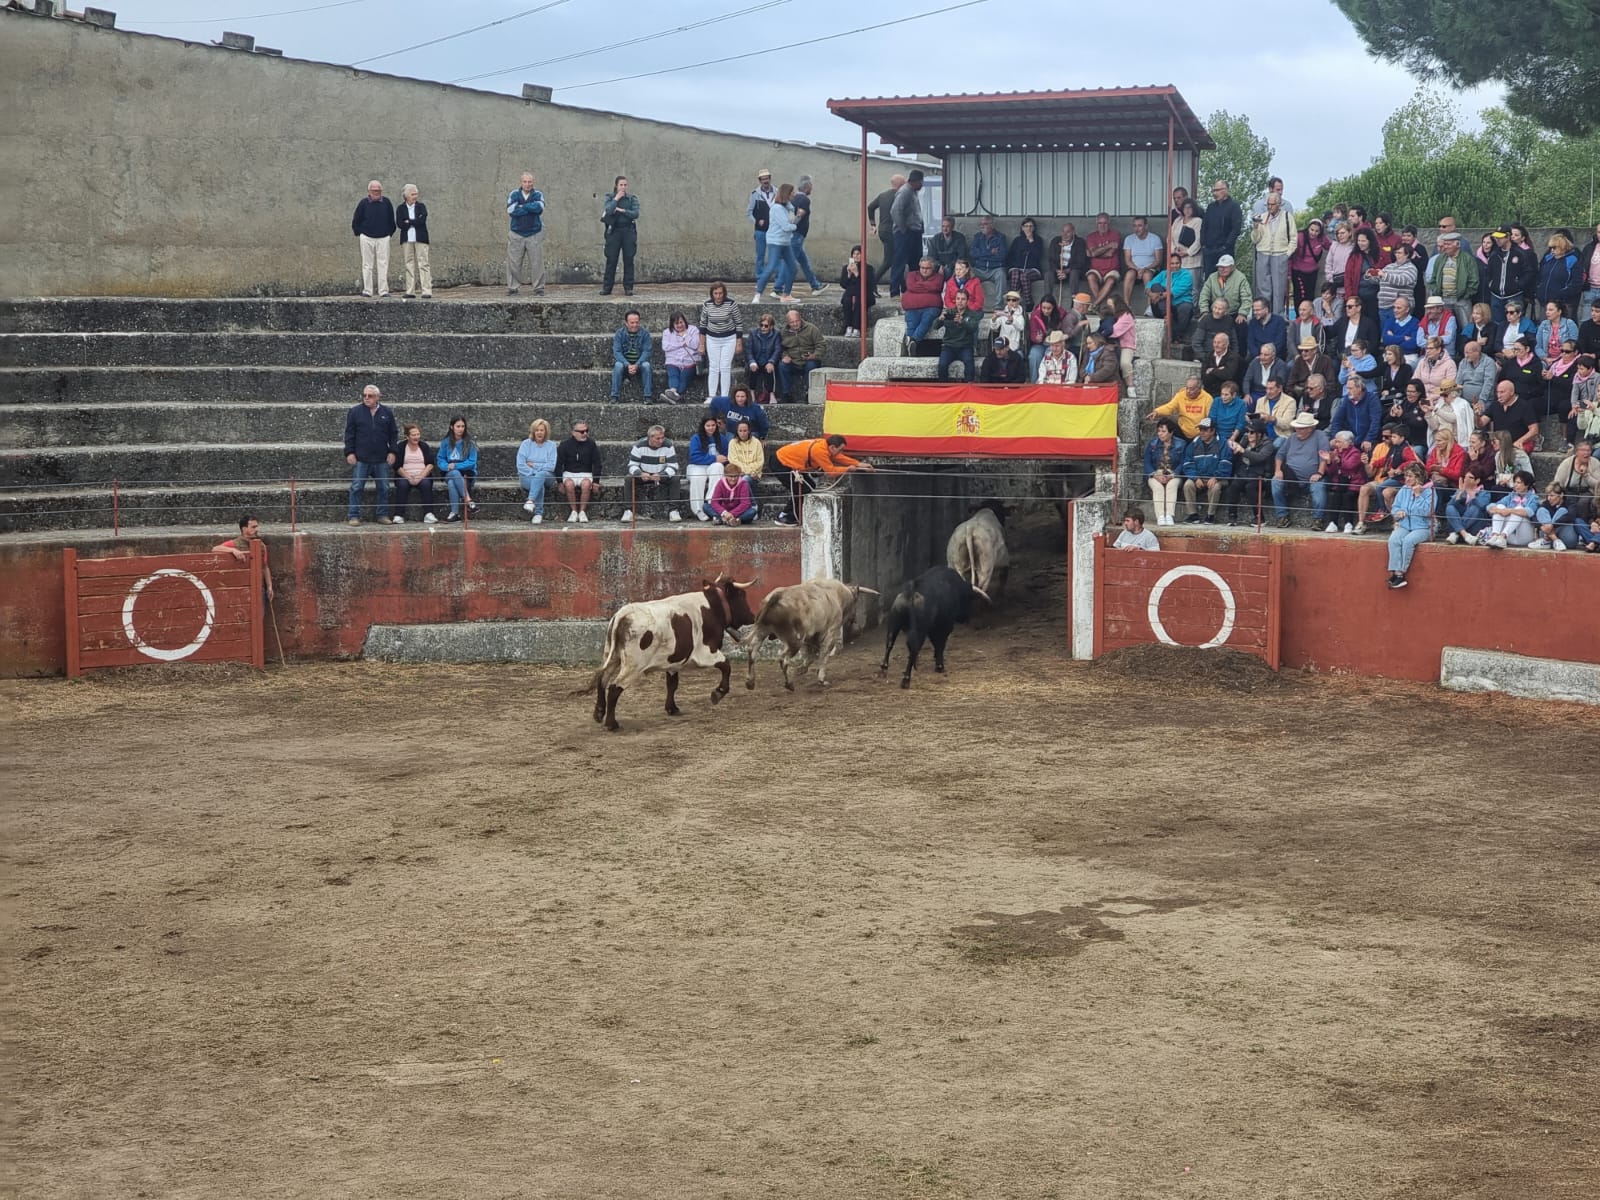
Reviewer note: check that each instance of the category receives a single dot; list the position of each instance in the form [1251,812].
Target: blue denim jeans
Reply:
[459,486]
[1403,544]
[919,321]
[798,245]
[761,250]
[378,472]
[619,372]
[534,483]
[1468,517]
[907,253]
[794,380]
[679,378]
[947,356]
[1280,495]
[781,266]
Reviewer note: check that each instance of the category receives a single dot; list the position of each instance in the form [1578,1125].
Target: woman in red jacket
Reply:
[1309,248]
[1445,463]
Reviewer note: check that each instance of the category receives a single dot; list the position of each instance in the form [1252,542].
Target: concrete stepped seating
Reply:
[390,351]
[41,428]
[524,315]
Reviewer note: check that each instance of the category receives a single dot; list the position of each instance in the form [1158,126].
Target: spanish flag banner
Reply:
[965,420]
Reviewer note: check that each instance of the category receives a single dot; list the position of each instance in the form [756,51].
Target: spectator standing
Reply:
[798,463]
[1163,462]
[1141,261]
[1397,281]
[757,209]
[987,250]
[1105,260]
[413,470]
[620,216]
[1025,261]
[1184,239]
[721,330]
[680,347]
[855,316]
[802,354]
[1299,468]
[240,548]
[730,501]
[578,468]
[1338,257]
[1589,331]
[1413,523]
[369,438]
[1134,535]
[653,476]
[1310,248]
[1560,274]
[1220,227]
[411,222]
[373,225]
[1125,338]
[906,214]
[881,222]
[741,407]
[1510,273]
[781,265]
[946,246]
[708,450]
[921,297]
[1274,236]
[802,227]
[763,348]
[960,326]
[1453,277]
[525,242]
[1419,259]
[630,355]
[1589,266]
[457,461]
[536,467]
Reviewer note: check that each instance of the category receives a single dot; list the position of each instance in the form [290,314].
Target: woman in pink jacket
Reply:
[731,502]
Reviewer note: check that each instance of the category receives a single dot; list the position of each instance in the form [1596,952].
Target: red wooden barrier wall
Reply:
[1184,599]
[125,612]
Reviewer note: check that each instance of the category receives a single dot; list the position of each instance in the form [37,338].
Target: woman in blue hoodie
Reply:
[708,451]
[1412,509]
[457,461]
[781,224]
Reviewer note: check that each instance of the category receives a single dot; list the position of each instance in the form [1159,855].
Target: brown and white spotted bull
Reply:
[667,635]
[977,549]
[810,619]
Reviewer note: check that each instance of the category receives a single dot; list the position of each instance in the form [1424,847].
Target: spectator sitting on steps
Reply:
[802,354]
[630,355]
[960,326]
[730,502]
[1189,405]
[578,468]
[1003,365]
[457,461]
[921,301]
[653,473]
[414,467]
[1100,361]
[536,467]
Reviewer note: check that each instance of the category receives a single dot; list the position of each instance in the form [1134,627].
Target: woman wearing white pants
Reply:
[720,330]
[1511,519]
[708,451]
[1163,457]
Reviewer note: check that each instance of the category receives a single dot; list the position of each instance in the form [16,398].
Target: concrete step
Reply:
[219,506]
[41,427]
[524,314]
[482,351]
[185,462]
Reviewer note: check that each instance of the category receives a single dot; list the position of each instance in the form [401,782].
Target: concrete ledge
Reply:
[568,643]
[820,379]
[1465,670]
[879,369]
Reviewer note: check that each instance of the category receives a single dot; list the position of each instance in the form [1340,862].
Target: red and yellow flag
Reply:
[966,420]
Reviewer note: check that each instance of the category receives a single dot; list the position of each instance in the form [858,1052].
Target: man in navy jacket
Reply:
[525,242]
[369,440]
[374,225]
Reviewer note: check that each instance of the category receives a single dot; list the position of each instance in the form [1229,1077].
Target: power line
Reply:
[773,49]
[728,16]
[287,12]
[450,37]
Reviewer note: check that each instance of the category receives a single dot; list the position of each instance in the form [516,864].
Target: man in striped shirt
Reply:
[653,476]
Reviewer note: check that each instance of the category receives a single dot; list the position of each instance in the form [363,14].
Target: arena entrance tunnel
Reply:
[881,528]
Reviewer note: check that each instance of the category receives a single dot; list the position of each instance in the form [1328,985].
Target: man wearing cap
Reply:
[1011,323]
[1228,284]
[960,326]
[1302,457]
[1438,321]
[987,249]
[1308,361]
[759,209]
[1453,276]
[1174,286]
[1189,404]
[1002,365]
[1075,322]
[882,224]
[1207,467]
[1509,274]
[1057,366]
[1220,226]
[1067,260]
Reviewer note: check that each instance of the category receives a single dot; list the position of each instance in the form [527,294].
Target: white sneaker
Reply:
[1557,544]
[527,506]
[1133,394]
[627,516]
[1454,539]
[674,516]
[399,520]
[538,518]
[1497,541]
[572,517]
[1349,528]
[756,299]
[1333,527]
[429,519]
[1359,529]
[1541,543]
[701,516]
[583,518]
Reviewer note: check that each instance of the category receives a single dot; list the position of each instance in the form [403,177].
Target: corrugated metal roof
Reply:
[1087,119]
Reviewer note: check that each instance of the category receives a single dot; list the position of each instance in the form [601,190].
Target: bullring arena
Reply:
[1148,927]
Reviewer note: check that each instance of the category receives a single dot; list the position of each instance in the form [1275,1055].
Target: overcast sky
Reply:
[1296,69]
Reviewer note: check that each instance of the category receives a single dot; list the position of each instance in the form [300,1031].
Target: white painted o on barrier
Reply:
[1229,609]
[181,652]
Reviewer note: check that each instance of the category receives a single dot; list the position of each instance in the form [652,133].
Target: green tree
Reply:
[1426,126]
[1547,54]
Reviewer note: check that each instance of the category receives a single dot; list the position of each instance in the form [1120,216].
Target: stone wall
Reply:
[143,165]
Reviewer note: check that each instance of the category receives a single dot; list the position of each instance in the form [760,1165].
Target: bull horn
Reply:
[869,591]
[717,580]
[982,593]
[749,584]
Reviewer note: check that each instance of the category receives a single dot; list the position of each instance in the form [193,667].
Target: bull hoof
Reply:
[612,727]
[788,685]
[749,685]
[938,669]
[598,717]
[674,711]
[717,695]
[906,682]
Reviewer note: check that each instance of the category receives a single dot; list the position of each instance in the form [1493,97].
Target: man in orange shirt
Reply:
[799,461]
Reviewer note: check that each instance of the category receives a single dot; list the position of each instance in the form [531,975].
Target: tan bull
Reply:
[810,619]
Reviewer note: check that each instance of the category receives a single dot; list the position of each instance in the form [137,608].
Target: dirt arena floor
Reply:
[1031,929]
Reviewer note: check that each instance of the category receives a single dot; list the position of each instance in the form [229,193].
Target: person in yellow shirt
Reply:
[1187,406]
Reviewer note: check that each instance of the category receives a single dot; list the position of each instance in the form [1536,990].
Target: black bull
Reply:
[928,608]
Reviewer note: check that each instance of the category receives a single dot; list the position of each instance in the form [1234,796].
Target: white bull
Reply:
[810,619]
[667,635]
[977,550]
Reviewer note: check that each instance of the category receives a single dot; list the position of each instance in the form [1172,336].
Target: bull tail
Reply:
[616,639]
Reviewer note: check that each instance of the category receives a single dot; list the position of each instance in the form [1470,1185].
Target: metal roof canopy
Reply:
[1087,119]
